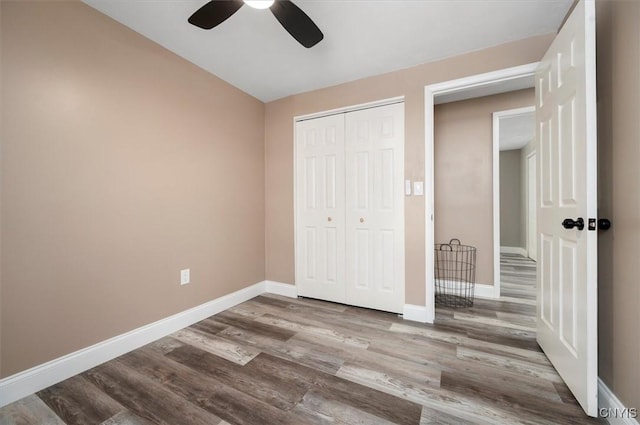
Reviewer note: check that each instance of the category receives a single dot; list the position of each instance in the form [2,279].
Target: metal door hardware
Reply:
[599,224]
[568,223]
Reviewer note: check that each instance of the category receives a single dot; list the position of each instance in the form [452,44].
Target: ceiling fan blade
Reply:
[297,23]
[214,13]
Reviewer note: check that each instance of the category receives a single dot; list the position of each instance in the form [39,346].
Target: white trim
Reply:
[351,108]
[608,400]
[430,92]
[533,154]
[294,198]
[511,250]
[279,288]
[415,313]
[497,249]
[495,159]
[482,290]
[42,376]
[429,190]
[591,195]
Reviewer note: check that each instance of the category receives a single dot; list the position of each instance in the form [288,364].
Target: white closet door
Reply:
[320,235]
[375,208]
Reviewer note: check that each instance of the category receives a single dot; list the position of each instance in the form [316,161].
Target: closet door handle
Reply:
[328,218]
[361,220]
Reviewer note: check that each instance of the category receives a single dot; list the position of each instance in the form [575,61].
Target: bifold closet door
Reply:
[375,208]
[320,209]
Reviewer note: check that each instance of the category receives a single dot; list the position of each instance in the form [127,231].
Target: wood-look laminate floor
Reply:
[275,360]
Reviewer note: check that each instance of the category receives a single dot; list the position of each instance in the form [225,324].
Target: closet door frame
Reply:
[296,119]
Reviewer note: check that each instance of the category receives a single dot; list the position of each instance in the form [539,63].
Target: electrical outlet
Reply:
[185,276]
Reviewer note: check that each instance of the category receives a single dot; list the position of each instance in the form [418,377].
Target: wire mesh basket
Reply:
[455,274]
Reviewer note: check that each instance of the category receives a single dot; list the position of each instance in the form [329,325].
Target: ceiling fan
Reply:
[290,16]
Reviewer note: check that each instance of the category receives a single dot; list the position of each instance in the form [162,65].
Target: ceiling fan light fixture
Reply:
[259,4]
[290,16]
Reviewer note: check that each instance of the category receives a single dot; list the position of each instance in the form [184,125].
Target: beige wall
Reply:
[121,165]
[512,219]
[410,83]
[463,172]
[618,47]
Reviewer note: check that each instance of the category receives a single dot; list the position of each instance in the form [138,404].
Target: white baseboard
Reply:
[415,313]
[480,290]
[22,384]
[513,250]
[612,409]
[279,288]
[486,291]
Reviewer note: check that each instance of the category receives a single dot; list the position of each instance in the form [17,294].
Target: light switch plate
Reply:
[407,187]
[185,276]
[418,188]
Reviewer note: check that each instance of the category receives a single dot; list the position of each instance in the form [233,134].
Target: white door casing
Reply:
[532,205]
[320,238]
[567,180]
[350,207]
[375,208]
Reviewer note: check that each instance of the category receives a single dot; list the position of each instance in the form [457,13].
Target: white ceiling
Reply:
[516,131]
[362,37]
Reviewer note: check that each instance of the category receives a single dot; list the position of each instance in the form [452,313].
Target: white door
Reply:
[375,208]
[532,205]
[567,258]
[320,243]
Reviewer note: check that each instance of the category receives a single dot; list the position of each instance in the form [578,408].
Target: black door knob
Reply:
[604,224]
[568,223]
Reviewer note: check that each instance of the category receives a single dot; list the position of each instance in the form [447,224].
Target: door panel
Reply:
[331,236]
[320,237]
[545,299]
[387,248]
[375,208]
[387,179]
[546,148]
[330,192]
[567,278]
[568,291]
[311,265]
[363,247]
[362,183]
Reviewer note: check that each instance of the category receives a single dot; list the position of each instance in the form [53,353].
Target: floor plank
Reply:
[145,398]
[203,389]
[127,418]
[215,345]
[27,411]
[77,401]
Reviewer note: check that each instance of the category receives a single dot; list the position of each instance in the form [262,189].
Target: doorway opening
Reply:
[502,81]
[515,208]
